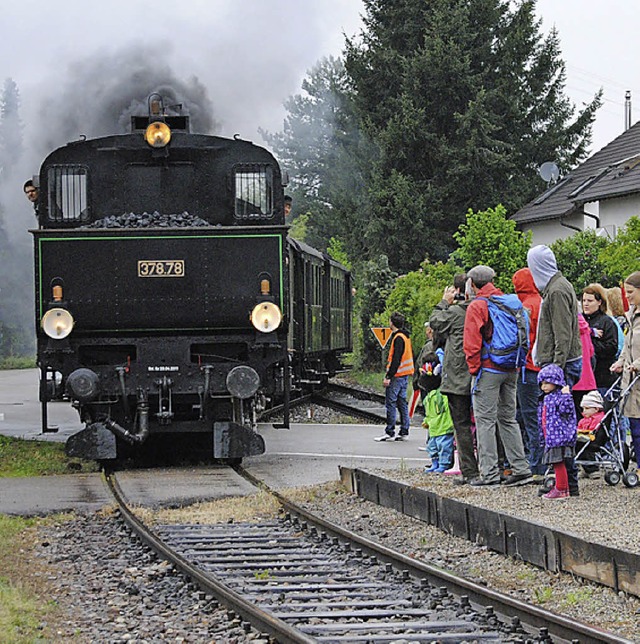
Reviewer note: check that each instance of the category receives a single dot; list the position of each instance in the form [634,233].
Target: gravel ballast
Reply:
[112,589]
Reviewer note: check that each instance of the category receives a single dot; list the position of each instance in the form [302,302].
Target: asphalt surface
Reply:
[306,454]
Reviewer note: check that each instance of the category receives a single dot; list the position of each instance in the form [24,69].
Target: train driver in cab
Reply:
[31,191]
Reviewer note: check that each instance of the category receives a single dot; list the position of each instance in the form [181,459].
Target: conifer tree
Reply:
[463,100]
[10,126]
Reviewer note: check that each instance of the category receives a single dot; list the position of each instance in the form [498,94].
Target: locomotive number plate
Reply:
[161,268]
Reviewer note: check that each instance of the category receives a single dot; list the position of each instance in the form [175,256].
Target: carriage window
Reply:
[253,192]
[68,193]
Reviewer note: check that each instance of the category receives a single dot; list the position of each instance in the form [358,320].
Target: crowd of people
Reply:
[513,417]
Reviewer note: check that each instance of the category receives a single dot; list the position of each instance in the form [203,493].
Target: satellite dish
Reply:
[549,171]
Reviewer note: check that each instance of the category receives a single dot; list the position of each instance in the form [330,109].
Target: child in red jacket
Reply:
[592,406]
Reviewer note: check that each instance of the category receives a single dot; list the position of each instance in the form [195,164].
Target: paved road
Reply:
[306,454]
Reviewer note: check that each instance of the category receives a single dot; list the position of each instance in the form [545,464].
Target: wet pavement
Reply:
[306,454]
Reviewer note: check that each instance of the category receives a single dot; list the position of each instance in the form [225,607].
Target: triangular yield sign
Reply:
[382,334]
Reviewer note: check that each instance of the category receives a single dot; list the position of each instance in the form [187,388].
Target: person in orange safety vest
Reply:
[396,379]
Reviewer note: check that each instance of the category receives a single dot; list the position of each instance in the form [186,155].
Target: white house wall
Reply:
[612,213]
[546,232]
[617,211]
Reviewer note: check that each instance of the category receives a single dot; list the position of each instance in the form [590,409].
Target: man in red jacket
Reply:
[493,390]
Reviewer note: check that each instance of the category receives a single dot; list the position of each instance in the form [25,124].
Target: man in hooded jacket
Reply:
[558,334]
[528,390]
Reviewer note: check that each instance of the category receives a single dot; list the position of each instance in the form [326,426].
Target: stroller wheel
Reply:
[549,483]
[613,477]
[630,479]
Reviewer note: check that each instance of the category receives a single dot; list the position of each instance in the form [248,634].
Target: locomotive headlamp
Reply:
[57,323]
[157,134]
[266,317]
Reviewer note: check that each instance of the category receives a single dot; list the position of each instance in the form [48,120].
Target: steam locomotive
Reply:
[169,301]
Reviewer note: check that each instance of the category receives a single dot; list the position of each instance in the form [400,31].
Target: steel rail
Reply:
[336,405]
[564,628]
[361,394]
[276,409]
[260,619]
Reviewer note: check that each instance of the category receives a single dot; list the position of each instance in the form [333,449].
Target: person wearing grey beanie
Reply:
[493,390]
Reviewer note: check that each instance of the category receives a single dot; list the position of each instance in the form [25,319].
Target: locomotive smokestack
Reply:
[627,110]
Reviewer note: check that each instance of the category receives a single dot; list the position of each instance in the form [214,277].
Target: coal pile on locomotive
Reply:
[170,304]
[148,220]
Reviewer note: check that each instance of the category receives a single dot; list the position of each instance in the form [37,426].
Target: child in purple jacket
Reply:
[557,425]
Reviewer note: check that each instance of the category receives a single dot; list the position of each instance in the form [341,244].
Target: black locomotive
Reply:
[169,299]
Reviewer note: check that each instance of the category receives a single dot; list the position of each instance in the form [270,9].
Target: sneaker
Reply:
[422,449]
[556,494]
[574,491]
[518,479]
[384,437]
[478,482]
[401,437]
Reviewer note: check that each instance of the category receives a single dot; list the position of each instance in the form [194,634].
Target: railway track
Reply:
[365,405]
[300,579]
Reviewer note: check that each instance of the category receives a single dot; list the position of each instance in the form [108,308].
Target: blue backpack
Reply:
[510,341]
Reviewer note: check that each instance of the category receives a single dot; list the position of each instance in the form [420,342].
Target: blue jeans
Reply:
[395,395]
[528,392]
[572,372]
[440,449]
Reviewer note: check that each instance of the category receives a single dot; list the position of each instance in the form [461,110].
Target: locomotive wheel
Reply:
[613,477]
[630,479]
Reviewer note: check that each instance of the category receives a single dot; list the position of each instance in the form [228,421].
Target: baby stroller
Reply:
[606,447]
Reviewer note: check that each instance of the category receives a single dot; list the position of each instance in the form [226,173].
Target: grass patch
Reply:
[17,362]
[255,507]
[19,613]
[38,458]
[371,380]
[22,611]
[368,379]
[543,595]
[580,596]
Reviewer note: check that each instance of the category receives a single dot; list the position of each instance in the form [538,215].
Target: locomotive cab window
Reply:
[253,186]
[67,196]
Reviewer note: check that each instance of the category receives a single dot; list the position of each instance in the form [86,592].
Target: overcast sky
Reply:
[250,55]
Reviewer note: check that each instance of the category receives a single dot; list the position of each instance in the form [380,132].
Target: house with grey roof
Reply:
[602,193]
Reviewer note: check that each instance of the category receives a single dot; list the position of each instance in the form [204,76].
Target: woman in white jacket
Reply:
[629,361]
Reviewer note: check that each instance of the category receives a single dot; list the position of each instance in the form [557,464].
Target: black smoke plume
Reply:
[100,94]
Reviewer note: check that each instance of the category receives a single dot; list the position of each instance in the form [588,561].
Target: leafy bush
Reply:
[489,238]
[374,281]
[416,293]
[622,256]
[579,260]
[18,362]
